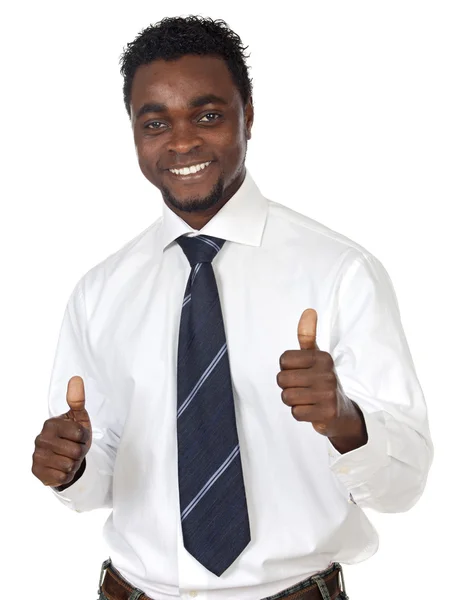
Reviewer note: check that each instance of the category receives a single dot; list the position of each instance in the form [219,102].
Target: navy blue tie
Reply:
[213,505]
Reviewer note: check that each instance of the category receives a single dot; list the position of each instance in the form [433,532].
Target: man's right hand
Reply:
[64,441]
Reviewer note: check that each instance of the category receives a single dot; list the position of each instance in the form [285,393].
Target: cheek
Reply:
[147,158]
[234,145]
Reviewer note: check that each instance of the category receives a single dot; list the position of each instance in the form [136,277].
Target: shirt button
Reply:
[193,594]
[343,470]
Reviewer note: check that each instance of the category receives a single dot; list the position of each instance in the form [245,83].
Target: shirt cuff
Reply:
[74,495]
[355,468]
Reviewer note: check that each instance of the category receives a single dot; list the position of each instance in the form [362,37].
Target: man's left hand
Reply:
[312,389]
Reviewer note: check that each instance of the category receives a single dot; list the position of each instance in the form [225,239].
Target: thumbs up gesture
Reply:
[312,389]
[64,441]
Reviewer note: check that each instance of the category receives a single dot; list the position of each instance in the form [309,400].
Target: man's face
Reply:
[187,113]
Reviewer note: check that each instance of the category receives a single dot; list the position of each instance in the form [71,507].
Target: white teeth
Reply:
[189,170]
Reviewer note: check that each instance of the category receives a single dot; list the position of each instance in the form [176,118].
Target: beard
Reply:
[196,204]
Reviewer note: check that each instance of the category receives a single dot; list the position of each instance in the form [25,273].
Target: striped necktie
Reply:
[213,505]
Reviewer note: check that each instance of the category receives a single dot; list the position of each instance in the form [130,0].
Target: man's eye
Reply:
[210,117]
[154,125]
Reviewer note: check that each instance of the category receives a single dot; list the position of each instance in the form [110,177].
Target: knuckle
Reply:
[47,434]
[327,360]
[77,452]
[41,445]
[329,379]
[61,478]
[74,431]
[62,463]
[49,424]
[329,396]
[37,457]
[39,440]
[82,434]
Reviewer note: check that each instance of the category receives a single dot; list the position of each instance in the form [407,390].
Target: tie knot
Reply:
[200,249]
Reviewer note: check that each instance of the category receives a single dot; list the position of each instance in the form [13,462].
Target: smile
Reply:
[190,170]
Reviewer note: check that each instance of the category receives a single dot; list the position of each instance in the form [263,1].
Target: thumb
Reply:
[76,400]
[307,329]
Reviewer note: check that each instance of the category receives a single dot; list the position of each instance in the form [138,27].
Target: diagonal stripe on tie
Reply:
[210,483]
[202,379]
[213,505]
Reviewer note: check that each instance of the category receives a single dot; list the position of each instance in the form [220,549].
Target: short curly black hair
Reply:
[174,37]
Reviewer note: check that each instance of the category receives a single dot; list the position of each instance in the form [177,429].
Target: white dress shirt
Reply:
[305,499]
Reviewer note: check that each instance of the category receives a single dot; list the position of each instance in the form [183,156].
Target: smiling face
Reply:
[190,131]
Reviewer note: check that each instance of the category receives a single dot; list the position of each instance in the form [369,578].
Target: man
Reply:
[175,350]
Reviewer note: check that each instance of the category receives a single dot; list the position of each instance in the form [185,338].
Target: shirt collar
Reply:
[241,219]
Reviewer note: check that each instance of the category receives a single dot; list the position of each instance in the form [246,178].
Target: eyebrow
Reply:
[155,107]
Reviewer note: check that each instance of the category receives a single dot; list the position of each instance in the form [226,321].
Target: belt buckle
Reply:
[341,578]
[106,563]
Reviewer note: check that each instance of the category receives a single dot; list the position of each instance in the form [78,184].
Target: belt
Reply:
[325,585]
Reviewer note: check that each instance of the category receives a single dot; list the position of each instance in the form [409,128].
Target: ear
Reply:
[248,116]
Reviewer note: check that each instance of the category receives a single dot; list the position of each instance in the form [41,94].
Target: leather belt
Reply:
[115,587]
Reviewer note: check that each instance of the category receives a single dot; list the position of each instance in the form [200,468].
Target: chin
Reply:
[192,201]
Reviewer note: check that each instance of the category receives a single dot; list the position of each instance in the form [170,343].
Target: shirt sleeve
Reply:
[376,370]
[74,357]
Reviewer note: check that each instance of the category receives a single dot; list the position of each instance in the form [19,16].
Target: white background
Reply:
[351,128]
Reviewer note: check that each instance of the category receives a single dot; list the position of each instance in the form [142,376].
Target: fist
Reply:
[310,384]
[64,441]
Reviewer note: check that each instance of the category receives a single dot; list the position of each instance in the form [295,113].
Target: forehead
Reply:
[174,83]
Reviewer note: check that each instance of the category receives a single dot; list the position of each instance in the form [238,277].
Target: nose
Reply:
[184,138]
